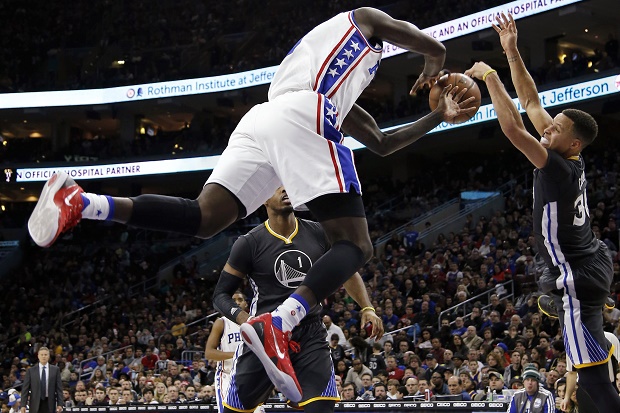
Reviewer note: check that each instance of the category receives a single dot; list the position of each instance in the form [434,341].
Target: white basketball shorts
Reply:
[293,140]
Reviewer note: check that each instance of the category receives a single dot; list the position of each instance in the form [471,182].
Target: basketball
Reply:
[462,81]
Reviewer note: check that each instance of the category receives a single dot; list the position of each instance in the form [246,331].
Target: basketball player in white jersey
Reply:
[221,346]
[296,140]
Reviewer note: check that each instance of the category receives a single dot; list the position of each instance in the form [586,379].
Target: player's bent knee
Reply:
[219,208]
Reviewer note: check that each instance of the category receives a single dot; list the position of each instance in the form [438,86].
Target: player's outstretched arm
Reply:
[375,23]
[230,281]
[362,127]
[508,116]
[521,78]
[357,290]
[211,351]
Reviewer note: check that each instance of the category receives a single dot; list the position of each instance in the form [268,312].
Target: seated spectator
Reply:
[393,392]
[335,349]
[412,387]
[455,385]
[348,392]
[438,384]
[394,372]
[496,386]
[471,339]
[367,385]
[459,327]
[437,350]
[354,375]
[379,392]
[514,369]
[432,366]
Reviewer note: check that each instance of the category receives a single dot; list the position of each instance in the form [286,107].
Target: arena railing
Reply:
[193,323]
[508,286]
[106,355]
[416,221]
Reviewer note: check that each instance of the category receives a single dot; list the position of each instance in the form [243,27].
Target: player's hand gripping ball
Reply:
[462,81]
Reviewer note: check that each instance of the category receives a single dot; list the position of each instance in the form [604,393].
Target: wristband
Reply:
[488,72]
[367,308]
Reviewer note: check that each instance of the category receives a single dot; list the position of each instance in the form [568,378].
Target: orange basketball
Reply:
[462,81]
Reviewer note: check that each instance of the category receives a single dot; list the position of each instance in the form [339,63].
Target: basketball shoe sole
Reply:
[53,210]
[287,384]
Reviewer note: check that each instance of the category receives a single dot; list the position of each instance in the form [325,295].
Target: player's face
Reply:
[559,136]
[279,202]
[240,301]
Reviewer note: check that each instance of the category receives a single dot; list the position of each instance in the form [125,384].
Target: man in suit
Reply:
[42,388]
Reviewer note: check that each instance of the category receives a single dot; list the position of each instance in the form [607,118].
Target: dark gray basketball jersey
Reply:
[275,265]
[561,217]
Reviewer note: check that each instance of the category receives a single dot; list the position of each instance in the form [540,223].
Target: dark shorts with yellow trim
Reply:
[250,385]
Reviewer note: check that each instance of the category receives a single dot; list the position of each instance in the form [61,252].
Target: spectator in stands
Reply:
[148,397]
[207,394]
[412,387]
[402,357]
[495,387]
[392,390]
[114,396]
[177,353]
[160,391]
[457,345]
[551,377]
[459,327]
[334,329]
[415,364]
[496,361]
[394,372]
[149,361]
[424,317]
[367,385]
[531,395]
[459,365]
[471,339]
[354,375]
[438,384]
[455,385]
[336,350]
[173,393]
[348,392]
[379,392]
[432,366]
[437,350]
[375,361]
[101,398]
[514,369]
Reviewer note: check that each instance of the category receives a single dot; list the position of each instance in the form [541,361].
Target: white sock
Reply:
[100,207]
[290,313]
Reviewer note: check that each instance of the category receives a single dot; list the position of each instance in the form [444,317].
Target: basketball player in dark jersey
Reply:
[275,257]
[578,268]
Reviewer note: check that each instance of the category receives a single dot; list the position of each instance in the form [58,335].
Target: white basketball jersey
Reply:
[334,59]
[231,338]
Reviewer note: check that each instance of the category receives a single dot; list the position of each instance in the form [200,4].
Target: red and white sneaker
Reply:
[271,346]
[59,208]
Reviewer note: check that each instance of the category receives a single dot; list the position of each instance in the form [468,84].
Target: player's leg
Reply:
[235,188]
[316,170]
[587,289]
[222,384]
[250,386]
[314,367]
